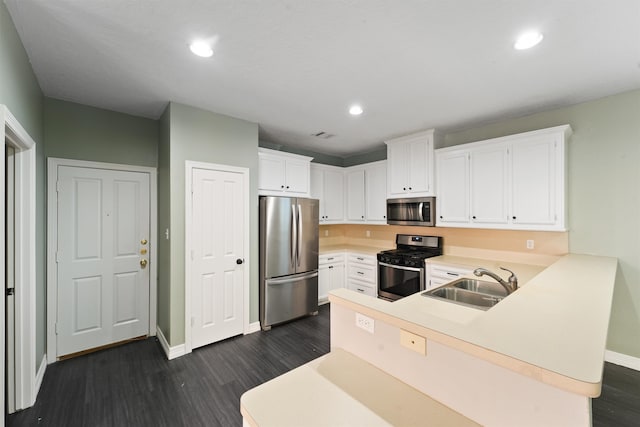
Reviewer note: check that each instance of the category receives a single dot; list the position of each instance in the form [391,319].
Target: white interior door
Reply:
[217,255]
[10,278]
[103,277]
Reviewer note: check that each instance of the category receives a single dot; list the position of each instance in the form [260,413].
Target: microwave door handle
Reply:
[420,212]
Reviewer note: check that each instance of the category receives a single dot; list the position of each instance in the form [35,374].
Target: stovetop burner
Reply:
[411,251]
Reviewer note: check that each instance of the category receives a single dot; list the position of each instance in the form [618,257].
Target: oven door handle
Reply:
[400,267]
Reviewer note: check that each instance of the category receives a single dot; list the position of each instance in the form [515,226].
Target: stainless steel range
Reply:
[401,270]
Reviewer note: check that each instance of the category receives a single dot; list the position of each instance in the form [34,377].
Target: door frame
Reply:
[27,380]
[189,166]
[52,241]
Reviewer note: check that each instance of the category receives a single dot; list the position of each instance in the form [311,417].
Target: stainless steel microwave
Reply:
[412,211]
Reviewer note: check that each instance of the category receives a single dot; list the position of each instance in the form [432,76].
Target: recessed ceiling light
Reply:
[528,40]
[355,110]
[201,48]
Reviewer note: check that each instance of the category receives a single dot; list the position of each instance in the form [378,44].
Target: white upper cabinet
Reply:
[488,173]
[452,203]
[366,196]
[327,185]
[515,182]
[376,192]
[410,163]
[355,195]
[537,178]
[283,174]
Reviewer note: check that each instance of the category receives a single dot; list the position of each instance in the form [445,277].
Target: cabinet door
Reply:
[337,276]
[334,195]
[271,173]
[397,164]
[452,203]
[355,196]
[534,181]
[316,188]
[489,185]
[418,166]
[376,192]
[324,282]
[297,176]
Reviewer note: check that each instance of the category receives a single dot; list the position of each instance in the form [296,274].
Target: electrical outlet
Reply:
[326,233]
[364,322]
[368,233]
[530,244]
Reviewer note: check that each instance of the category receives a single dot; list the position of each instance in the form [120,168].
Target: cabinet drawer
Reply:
[449,272]
[362,272]
[362,287]
[363,259]
[330,258]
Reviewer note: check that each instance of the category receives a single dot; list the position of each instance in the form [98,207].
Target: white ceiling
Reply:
[295,66]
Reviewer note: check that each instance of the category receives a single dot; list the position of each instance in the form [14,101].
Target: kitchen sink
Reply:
[480,286]
[469,292]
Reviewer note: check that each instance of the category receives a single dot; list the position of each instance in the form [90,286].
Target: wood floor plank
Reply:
[135,385]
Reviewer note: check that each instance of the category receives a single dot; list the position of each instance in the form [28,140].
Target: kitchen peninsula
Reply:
[534,359]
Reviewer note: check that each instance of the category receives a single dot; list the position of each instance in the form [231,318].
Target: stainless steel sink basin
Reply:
[469,292]
[480,286]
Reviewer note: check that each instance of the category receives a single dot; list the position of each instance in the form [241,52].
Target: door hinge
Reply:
[58,256]
[56,328]
[58,186]
[11,291]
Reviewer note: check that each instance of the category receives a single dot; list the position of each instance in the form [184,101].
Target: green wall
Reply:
[604,193]
[20,92]
[203,136]
[74,131]
[164,222]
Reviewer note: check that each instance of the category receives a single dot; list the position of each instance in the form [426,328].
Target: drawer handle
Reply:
[360,272]
[329,259]
[331,266]
[452,274]
[360,259]
[360,290]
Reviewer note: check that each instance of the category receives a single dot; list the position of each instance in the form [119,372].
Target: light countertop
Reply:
[554,328]
[368,250]
[342,389]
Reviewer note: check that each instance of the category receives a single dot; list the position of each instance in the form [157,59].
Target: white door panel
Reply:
[217,238]
[103,290]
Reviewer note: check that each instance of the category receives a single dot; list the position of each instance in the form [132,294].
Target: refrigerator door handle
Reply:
[294,238]
[299,243]
[289,279]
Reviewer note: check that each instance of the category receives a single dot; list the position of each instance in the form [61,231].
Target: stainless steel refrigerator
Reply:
[288,259]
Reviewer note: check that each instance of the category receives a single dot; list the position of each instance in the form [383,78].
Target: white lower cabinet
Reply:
[438,274]
[331,274]
[362,273]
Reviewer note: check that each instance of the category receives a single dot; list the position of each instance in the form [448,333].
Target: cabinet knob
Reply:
[287,187]
[513,217]
[362,217]
[410,188]
[282,186]
[440,216]
[331,266]
[474,217]
[404,188]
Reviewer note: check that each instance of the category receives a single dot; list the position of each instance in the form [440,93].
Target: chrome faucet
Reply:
[510,286]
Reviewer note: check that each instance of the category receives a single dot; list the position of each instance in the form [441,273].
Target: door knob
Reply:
[143,263]
[143,241]
[239,261]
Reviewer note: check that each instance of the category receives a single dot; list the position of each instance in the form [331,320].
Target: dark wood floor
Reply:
[134,385]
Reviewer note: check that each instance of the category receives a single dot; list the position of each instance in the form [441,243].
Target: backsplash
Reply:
[477,243]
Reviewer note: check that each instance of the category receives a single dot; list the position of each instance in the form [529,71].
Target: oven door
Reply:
[395,281]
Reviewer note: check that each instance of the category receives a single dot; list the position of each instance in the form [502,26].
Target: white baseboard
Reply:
[253,327]
[622,360]
[170,352]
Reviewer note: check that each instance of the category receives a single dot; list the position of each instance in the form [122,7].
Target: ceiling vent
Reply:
[323,135]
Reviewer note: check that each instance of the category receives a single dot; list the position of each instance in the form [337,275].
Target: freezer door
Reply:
[308,213]
[278,238]
[287,298]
